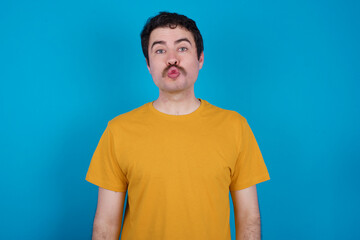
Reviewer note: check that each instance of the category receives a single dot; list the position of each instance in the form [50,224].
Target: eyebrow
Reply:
[183,39]
[157,42]
[176,42]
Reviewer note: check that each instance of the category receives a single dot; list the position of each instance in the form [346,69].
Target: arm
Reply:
[247,214]
[108,217]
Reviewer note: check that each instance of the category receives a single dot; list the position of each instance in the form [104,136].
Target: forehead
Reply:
[170,35]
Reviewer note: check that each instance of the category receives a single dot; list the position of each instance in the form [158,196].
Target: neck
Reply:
[176,104]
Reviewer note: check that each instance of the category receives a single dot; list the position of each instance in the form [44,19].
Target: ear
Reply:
[148,65]
[201,60]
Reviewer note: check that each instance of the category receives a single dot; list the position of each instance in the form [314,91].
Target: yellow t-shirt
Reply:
[178,170]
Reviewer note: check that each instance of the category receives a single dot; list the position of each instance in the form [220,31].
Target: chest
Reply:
[181,156]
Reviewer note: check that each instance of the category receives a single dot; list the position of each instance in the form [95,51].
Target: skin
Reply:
[247,214]
[108,216]
[175,47]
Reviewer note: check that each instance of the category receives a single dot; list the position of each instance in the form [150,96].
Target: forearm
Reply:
[248,229]
[103,231]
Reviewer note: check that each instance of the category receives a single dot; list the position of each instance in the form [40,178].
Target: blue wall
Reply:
[290,67]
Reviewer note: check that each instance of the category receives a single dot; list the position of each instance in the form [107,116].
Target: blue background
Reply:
[290,67]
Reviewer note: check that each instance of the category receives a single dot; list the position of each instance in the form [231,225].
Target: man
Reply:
[177,156]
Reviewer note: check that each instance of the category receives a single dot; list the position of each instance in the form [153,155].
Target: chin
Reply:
[176,89]
[173,86]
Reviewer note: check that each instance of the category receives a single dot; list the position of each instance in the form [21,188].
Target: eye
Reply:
[183,49]
[160,51]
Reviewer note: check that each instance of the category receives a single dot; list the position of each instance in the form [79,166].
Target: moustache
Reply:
[182,70]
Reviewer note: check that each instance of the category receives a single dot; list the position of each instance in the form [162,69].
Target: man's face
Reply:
[173,61]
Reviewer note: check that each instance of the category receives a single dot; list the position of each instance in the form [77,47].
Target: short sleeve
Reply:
[250,167]
[104,170]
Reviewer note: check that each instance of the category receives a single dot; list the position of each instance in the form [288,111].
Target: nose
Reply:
[172,59]
[172,62]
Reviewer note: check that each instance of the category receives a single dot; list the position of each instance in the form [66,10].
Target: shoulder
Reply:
[133,117]
[224,114]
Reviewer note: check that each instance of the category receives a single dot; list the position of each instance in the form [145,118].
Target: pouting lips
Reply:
[173,72]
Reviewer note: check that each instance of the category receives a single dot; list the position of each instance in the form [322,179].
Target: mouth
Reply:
[173,72]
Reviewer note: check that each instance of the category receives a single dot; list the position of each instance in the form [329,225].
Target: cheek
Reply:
[194,68]
[151,67]
[155,66]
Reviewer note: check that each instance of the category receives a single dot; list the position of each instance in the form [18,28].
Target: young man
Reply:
[177,156]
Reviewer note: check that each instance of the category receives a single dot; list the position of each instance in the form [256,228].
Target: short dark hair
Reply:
[171,20]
